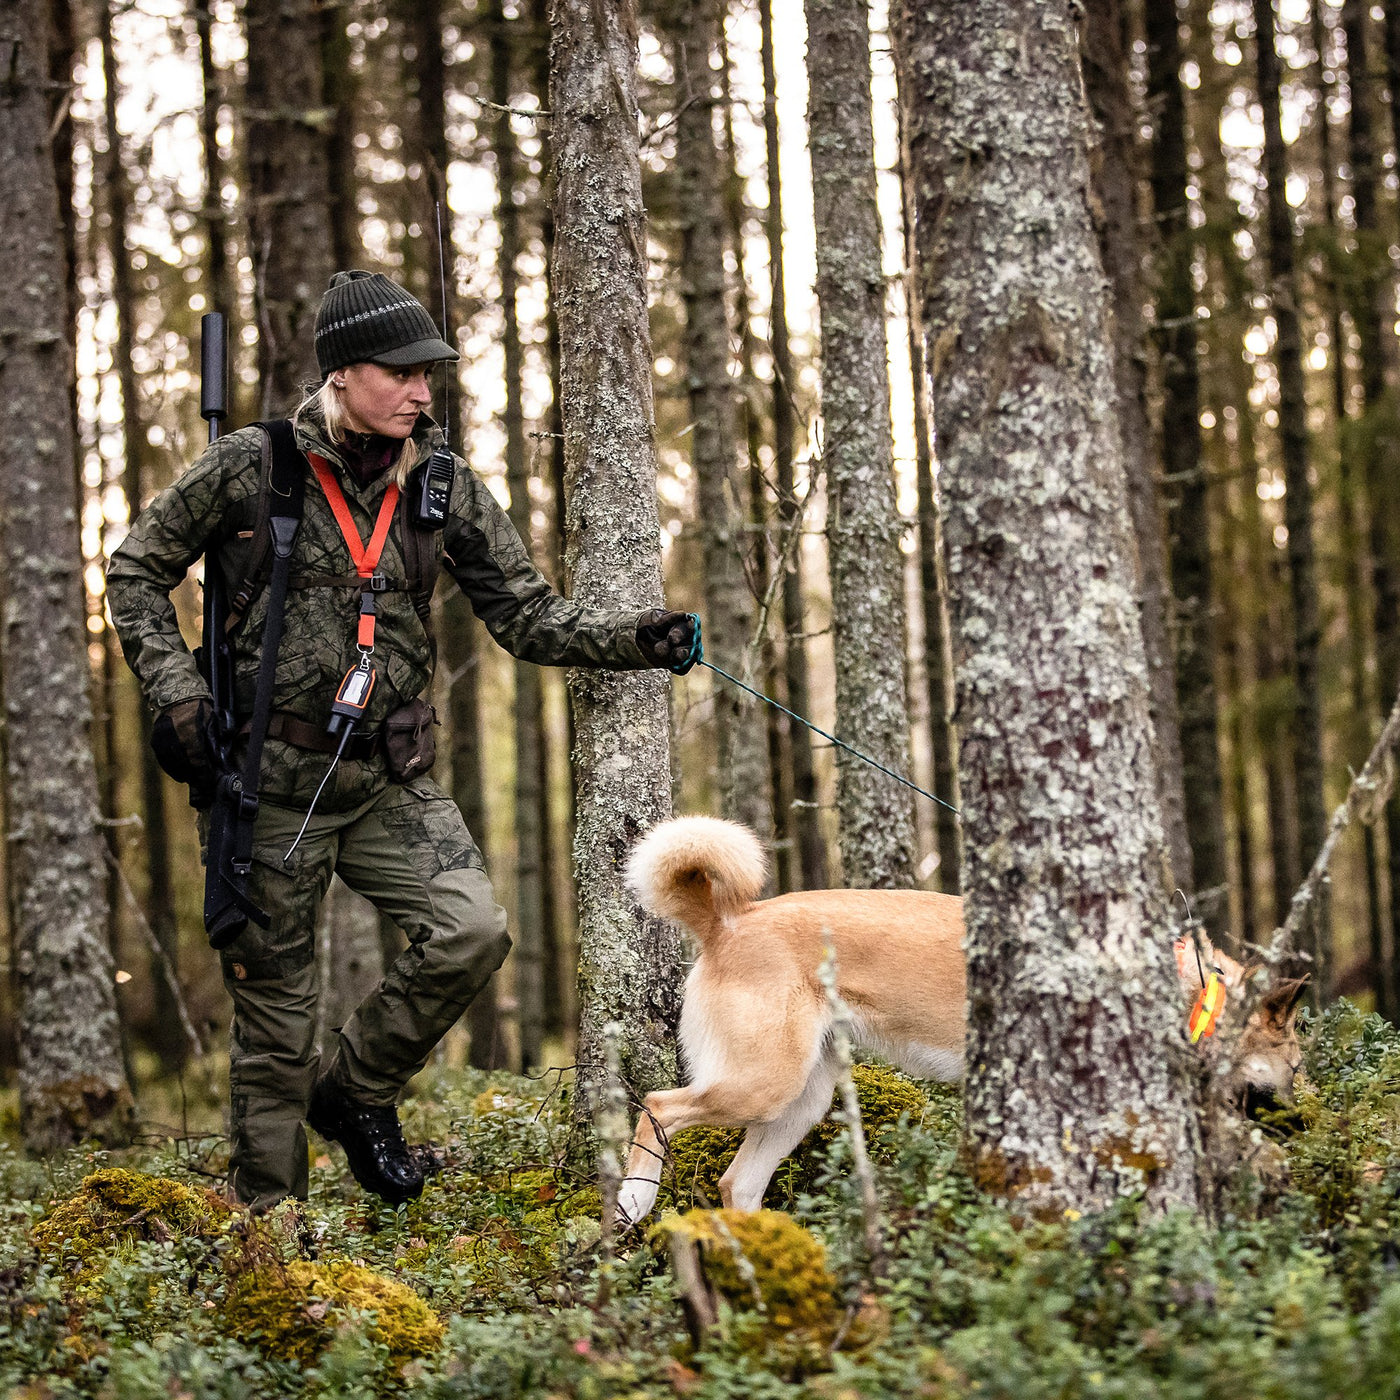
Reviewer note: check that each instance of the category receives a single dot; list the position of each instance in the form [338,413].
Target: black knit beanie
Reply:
[365,316]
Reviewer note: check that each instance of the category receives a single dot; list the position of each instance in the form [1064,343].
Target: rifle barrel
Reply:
[213,370]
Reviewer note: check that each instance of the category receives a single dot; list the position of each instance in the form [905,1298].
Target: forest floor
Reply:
[123,1275]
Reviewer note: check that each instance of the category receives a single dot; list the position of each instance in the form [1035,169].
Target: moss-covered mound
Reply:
[701,1155]
[292,1311]
[764,1264]
[114,1207]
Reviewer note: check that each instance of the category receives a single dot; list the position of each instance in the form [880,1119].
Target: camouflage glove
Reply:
[670,639]
[180,738]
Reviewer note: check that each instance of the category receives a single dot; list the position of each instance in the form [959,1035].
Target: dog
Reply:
[755,1029]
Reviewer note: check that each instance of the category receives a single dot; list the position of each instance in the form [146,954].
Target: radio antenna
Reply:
[442,283]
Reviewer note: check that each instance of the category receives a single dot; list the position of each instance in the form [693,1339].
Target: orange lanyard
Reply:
[364,557]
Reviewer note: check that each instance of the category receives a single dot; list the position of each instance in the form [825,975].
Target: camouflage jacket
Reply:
[212,507]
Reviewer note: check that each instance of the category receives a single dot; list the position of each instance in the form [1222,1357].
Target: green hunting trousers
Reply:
[408,852]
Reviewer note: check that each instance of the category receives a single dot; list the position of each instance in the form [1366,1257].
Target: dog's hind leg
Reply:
[766,1144]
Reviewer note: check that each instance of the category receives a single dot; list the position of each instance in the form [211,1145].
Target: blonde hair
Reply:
[325,403]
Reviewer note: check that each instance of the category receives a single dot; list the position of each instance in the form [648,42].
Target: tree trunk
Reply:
[166,1035]
[802,816]
[460,632]
[1072,988]
[340,90]
[863,526]
[629,965]
[938,663]
[1117,174]
[223,287]
[529,693]
[70,1075]
[740,732]
[1377,434]
[1181,455]
[1298,509]
[350,951]
[289,212]
[1352,568]
[559,978]
[759,548]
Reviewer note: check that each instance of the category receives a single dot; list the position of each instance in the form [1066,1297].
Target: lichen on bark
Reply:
[629,965]
[1077,1089]
[71,1079]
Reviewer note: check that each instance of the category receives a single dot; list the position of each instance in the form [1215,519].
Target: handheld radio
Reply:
[430,487]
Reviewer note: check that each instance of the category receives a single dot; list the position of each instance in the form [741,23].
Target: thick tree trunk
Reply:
[1298,508]
[802,815]
[70,1075]
[1181,454]
[629,965]
[166,1034]
[289,217]
[1352,563]
[1072,986]
[1372,311]
[863,526]
[1117,174]
[740,732]
[529,693]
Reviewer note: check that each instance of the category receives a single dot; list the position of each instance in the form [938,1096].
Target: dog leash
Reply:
[840,743]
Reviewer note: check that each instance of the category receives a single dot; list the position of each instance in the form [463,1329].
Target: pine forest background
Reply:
[219,155]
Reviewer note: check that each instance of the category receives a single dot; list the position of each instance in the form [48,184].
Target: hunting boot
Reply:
[379,1158]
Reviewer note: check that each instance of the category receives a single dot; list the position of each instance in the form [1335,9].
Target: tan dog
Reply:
[756,1023]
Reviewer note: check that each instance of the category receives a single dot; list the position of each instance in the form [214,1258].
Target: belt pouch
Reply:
[409,744]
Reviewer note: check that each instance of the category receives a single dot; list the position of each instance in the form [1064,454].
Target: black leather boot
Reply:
[379,1158]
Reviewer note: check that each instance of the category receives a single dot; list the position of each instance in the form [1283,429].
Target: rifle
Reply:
[227,861]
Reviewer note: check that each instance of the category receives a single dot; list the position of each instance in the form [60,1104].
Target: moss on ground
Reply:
[700,1156]
[294,1311]
[116,1207]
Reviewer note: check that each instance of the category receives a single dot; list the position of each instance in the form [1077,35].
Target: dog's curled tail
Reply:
[698,870]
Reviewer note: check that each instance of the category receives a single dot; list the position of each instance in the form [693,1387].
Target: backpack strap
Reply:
[281,485]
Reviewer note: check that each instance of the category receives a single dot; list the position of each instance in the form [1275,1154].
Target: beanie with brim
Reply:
[364,316]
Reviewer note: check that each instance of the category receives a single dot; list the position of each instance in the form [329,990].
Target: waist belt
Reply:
[302,734]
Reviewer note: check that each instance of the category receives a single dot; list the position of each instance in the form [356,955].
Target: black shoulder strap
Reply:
[281,491]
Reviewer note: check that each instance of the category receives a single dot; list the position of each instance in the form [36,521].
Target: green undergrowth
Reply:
[123,1277]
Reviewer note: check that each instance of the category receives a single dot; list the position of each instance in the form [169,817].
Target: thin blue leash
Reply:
[840,743]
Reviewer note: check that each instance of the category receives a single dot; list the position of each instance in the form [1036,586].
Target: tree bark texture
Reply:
[70,1074]
[340,85]
[350,949]
[1181,458]
[1352,563]
[166,1034]
[530,873]
[802,816]
[1077,1087]
[1298,497]
[629,965]
[876,815]
[1377,433]
[289,216]
[223,293]
[1117,172]
[740,732]
[933,589]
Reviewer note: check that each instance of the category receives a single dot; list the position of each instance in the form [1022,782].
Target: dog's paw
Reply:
[634,1202]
